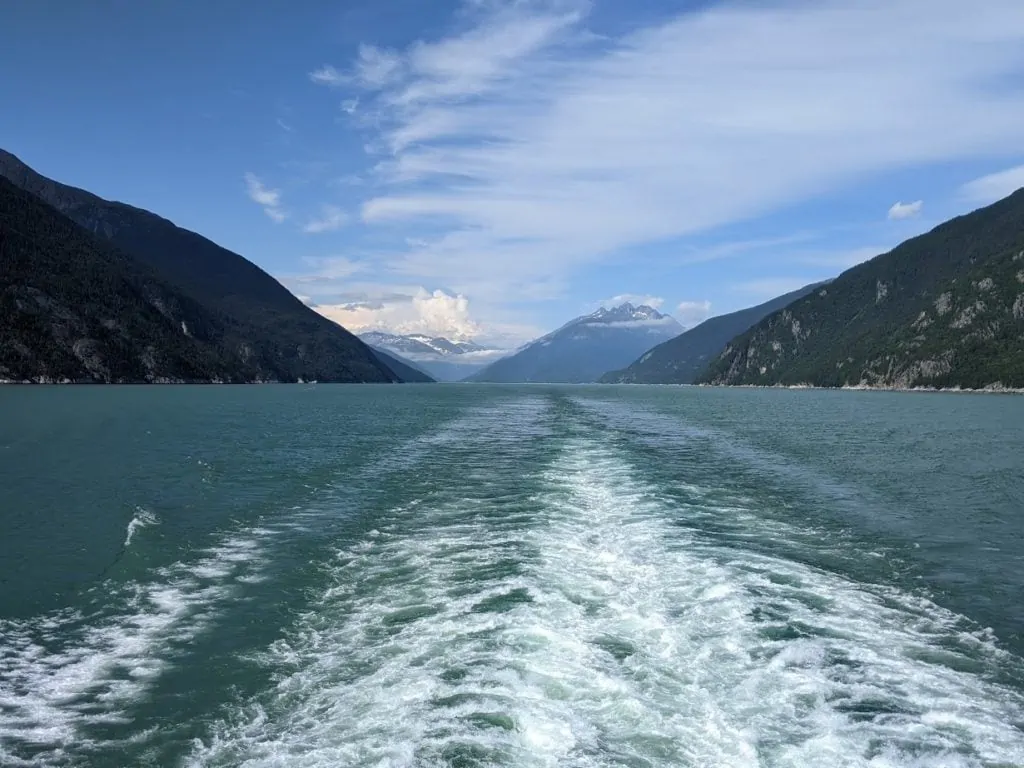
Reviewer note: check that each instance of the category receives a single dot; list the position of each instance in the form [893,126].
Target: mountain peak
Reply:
[625,312]
[586,347]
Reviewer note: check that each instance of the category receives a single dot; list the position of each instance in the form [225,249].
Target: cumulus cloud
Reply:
[691,313]
[901,210]
[436,313]
[524,139]
[269,199]
[994,187]
[331,219]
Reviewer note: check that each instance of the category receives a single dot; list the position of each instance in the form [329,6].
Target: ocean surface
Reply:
[474,575]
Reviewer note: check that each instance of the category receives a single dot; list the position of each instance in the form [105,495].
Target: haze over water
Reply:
[524,576]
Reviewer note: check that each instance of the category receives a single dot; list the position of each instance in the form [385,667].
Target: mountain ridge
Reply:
[439,357]
[682,358]
[584,348]
[944,309]
[278,337]
[78,310]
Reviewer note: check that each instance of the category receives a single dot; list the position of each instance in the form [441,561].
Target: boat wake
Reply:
[591,624]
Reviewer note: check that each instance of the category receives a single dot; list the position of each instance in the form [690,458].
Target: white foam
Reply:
[64,671]
[142,519]
[627,640]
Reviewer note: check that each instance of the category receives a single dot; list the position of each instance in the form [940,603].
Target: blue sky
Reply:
[492,169]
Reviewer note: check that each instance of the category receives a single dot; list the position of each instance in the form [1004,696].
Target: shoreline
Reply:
[992,389]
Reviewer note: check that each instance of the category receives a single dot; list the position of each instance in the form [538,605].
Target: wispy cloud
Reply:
[635,299]
[995,186]
[328,269]
[691,313]
[901,210]
[838,259]
[374,68]
[269,199]
[328,75]
[770,287]
[331,218]
[529,149]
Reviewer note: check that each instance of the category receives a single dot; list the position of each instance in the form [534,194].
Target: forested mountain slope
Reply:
[74,308]
[681,359]
[275,334]
[944,309]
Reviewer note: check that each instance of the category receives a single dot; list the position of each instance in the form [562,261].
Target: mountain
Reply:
[584,348]
[77,309]
[404,369]
[944,309]
[259,322]
[681,359]
[444,359]
[419,344]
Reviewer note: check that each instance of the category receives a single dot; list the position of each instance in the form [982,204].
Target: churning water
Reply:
[533,576]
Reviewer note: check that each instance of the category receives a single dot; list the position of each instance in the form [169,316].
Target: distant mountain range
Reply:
[441,358]
[682,359]
[945,309]
[101,291]
[586,347]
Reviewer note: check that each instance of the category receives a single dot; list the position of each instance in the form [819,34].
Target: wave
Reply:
[587,625]
[64,673]
[143,518]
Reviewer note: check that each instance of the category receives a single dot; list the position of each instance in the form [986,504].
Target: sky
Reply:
[489,169]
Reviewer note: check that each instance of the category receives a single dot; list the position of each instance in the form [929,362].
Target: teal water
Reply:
[461,575]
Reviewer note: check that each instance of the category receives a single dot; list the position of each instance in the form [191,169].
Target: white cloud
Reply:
[332,218]
[350,106]
[328,75]
[474,62]
[373,68]
[537,152]
[269,199]
[652,322]
[994,187]
[329,269]
[840,259]
[901,210]
[376,67]
[635,299]
[691,313]
[432,312]
[770,287]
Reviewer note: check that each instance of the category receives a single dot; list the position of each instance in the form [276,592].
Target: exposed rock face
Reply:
[74,309]
[941,310]
[681,359]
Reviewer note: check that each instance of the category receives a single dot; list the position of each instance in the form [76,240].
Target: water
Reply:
[523,576]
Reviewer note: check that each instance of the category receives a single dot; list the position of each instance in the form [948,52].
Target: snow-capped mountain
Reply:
[444,359]
[414,344]
[586,347]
